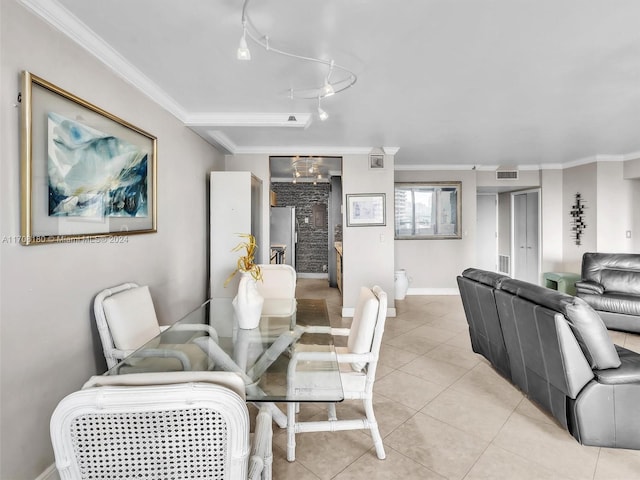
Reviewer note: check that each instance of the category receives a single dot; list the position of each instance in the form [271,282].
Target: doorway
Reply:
[487,231]
[525,232]
[311,186]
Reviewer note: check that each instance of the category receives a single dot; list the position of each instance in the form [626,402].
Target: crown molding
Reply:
[240,119]
[60,18]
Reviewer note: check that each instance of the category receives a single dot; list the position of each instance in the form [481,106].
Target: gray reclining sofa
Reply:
[555,348]
[610,283]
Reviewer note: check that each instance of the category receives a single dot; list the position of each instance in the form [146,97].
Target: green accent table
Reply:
[562,281]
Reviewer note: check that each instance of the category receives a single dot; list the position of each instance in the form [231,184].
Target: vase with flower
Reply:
[248,302]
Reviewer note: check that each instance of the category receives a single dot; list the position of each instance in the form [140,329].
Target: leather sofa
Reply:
[557,351]
[610,283]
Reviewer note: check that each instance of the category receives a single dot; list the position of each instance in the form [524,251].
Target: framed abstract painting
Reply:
[86,175]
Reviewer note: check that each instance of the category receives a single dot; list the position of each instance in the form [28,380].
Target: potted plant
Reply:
[246,262]
[248,302]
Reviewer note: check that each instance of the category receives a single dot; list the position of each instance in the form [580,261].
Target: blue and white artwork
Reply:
[94,174]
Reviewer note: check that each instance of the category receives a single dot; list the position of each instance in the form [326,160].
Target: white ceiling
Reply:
[448,82]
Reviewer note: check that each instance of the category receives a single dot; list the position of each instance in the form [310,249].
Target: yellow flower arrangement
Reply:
[246,262]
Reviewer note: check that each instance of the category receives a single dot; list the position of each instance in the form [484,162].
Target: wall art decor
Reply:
[366,210]
[577,219]
[86,175]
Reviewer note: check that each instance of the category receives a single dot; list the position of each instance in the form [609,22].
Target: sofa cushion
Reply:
[491,279]
[592,335]
[613,302]
[621,281]
[363,325]
[585,323]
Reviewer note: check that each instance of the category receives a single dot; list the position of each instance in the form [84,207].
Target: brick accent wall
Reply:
[312,252]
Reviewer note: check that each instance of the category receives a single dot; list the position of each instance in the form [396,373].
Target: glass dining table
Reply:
[208,338]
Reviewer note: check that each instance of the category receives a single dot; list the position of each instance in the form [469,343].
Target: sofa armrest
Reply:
[627,372]
[589,286]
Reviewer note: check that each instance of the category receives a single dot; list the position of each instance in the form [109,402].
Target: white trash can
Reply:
[401,282]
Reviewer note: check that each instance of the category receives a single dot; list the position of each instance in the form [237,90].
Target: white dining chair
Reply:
[126,320]
[184,425]
[278,287]
[358,362]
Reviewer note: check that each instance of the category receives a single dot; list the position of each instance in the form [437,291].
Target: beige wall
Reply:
[615,212]
[581,179]
[367,251]
[553,231]
[433,265]
[49,344]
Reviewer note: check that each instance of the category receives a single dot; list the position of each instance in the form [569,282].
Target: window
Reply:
[427,210]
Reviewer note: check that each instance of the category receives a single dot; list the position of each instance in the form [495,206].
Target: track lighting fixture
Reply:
[243,50]
[322,115]
[328,87]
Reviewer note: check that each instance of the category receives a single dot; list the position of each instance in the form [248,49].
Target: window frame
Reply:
[438,210]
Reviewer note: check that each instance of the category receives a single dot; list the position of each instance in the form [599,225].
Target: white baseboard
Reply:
[433,291]
[49,474]
[312,275]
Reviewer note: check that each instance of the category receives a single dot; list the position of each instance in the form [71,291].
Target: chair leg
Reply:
[373,426]
[331,407]
[291,431]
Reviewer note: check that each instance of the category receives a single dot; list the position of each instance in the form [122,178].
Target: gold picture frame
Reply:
[86,174]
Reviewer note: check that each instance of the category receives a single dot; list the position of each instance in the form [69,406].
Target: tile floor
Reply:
[443,412]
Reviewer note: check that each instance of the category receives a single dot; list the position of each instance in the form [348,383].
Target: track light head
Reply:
[243,52]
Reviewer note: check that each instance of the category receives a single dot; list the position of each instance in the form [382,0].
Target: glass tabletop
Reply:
[266,357]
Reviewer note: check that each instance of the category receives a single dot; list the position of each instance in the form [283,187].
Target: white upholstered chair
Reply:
[278,287]
[160,425]
[126,320]
[358,362]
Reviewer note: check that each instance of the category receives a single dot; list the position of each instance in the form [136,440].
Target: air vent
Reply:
[504,264]
[506,174]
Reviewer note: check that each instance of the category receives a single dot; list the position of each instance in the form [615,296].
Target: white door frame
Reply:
[513,240]
[497,239]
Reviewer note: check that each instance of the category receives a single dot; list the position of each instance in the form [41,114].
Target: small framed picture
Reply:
[376,161]
[366,210]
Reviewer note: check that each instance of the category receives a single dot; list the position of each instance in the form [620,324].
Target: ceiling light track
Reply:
[327,88]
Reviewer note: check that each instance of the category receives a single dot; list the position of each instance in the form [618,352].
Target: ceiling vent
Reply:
[506,174]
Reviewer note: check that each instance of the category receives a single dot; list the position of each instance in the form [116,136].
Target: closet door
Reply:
[526,246]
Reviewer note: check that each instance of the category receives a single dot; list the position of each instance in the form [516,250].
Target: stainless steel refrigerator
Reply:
[284,231]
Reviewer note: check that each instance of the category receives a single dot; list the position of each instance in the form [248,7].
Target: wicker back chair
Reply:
[160,425]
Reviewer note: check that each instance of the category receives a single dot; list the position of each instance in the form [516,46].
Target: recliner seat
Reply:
[610,283]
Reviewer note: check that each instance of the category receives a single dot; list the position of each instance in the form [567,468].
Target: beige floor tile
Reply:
[427,368]
[408,390]
[327,453]
[395,466]
[618,464]
[548,445]
[412,343]
[461,341]
[484,380]
[476,415]
[498,464]
[395,357]
[432,333]
[390,414]
[284,470]
[531,409]
[460,357]
[617,337]
[450,322]
[436,445]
